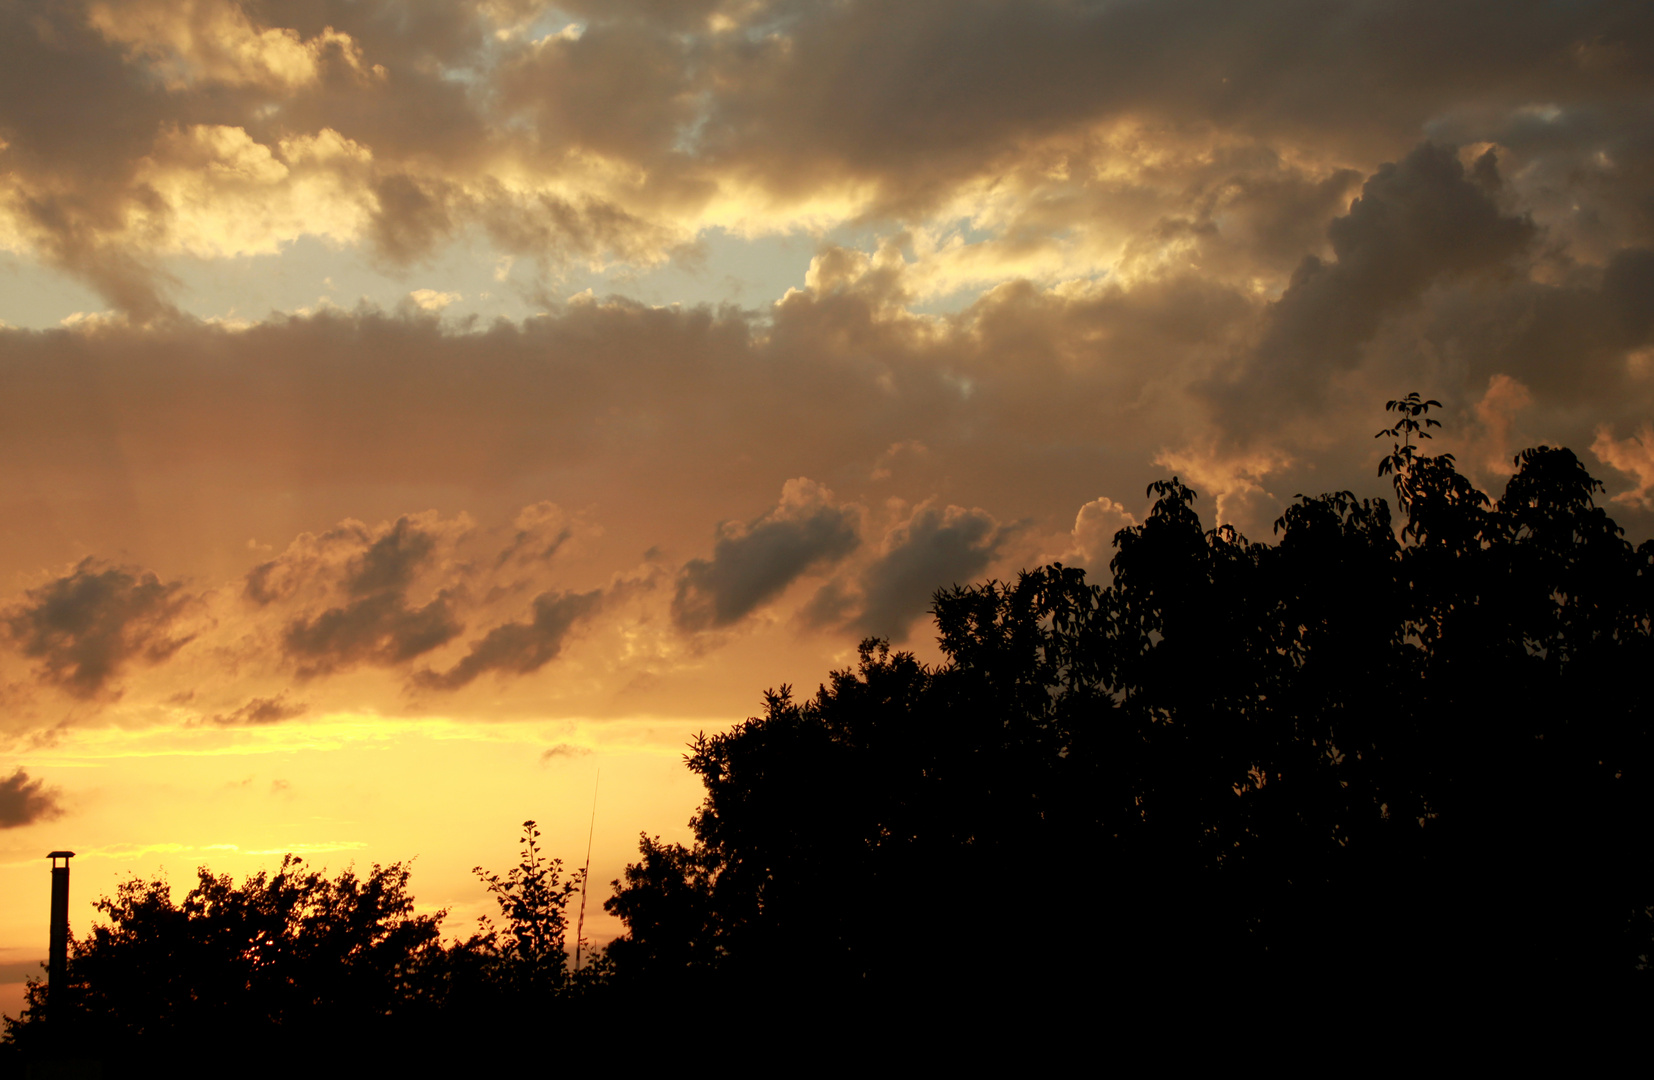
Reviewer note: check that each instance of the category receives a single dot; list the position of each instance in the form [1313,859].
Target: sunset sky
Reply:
[410,410]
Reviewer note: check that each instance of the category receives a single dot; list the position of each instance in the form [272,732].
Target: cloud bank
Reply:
[1041,255]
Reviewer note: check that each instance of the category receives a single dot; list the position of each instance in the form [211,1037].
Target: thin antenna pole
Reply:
[585,876]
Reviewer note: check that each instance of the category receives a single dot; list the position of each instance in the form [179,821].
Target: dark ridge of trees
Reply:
[1355,759]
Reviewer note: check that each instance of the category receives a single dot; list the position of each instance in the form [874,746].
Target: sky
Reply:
[420,416]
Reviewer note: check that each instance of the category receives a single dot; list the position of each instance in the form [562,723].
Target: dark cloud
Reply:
[752,564]
[261,585]
[271,710]
[562,750]
[1416,222]
[519,648]
[1572,342]
[934,549]
[24,801]
[917,94]
[382,630]
[390,562]
[832,605]
[88,626]
[412,217]
[378,624]
[641,72]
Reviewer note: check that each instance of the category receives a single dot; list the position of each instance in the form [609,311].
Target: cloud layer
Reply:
[1044,253]
[1074,138]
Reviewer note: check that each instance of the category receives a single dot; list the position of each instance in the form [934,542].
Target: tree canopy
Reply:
[296,953]
[1355,750]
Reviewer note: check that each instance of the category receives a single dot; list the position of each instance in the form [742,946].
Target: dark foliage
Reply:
[294,952]
[1347,755]
[340,961]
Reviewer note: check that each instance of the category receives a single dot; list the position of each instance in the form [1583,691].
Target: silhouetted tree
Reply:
[1352,752]
[333,962]
[295,952]
[520,967]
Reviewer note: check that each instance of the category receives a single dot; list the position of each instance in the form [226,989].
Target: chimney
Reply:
[58,962]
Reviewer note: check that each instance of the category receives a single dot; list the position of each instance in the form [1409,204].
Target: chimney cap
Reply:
[61,855]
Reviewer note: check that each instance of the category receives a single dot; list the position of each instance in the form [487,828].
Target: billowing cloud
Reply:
[1415,221]
[1634,456]
[88,626]
[1050,140]
[1093,533]
[935,548]
[518,648]
[752,563]
[216,41]
[24,801]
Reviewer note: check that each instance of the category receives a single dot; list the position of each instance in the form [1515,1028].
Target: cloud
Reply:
[518,648]
[562,750]
[1634,456]
[354,559]
[1497,411]
[882,468]
[1058,249]
[935,548]
[1075,139]
[1233,479]
[195,41]
[377,625]
[270,710]
[24,801]
[389,563]
[431,300]
[1416,221]
[751,564]
[88,626]
[381,629]
[1093,533]
[538,532]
